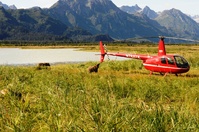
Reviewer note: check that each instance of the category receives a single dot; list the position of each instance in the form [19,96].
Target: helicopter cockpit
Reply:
[181,62]
[176,59]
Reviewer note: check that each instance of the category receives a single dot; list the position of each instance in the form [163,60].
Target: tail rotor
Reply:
[103,53]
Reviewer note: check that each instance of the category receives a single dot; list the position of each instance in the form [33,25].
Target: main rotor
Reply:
[162,38]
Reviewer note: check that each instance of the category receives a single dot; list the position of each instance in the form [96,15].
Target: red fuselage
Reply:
[163,64]
[167,64]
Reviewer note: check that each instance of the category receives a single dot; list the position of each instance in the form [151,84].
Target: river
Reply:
[18,56]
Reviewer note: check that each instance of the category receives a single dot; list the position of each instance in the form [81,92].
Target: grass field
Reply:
[122,96]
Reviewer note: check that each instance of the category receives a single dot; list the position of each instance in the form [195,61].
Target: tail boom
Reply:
[133,56]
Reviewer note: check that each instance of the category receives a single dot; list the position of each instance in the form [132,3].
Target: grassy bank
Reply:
[120,97]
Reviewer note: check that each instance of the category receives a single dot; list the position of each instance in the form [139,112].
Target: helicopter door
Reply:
[167,60]
[170,61]
[163,60]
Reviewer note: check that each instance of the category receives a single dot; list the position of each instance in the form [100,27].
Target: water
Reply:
[17,56]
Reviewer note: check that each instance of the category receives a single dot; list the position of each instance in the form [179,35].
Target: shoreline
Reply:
[51,63]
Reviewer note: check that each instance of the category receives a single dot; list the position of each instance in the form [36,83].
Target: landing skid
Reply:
[164,74]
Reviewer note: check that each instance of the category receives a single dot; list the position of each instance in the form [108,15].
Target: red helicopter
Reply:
[161,63]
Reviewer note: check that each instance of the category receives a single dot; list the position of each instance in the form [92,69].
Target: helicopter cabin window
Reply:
[170,61]
[163,61]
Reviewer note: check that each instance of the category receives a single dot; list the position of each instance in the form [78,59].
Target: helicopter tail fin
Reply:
[103,53]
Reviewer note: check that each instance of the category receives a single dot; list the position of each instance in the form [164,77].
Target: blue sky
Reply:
[186,6]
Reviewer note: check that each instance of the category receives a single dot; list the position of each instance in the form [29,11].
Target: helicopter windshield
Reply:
[181,62]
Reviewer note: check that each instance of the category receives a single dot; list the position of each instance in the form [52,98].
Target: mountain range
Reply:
[103,17]
[176,22]
[7,7]
[92,20]
[149,12]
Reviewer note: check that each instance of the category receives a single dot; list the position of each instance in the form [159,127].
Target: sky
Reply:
[186,6]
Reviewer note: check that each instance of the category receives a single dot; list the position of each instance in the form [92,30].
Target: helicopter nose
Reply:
[188,67]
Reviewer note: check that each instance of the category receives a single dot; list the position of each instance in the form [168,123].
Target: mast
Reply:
[161,48]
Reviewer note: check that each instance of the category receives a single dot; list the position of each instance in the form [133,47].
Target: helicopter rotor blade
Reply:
[191,40]
[161,37]
[138,38]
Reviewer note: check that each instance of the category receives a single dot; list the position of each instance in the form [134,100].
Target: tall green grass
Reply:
[122,96]
[68,98]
